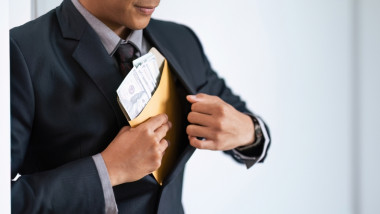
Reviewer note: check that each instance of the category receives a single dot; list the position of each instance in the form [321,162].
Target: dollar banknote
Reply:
[132,95]
[139,85]
[143,59]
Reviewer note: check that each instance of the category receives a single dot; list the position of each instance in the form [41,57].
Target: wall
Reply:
[292,65]
[368,55]
[20,12]
[4,110]
[311,69]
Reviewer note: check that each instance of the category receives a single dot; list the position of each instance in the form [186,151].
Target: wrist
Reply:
[114,180]
[249,131]
[256,133]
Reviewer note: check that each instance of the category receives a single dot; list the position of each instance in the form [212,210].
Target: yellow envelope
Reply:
[164,100]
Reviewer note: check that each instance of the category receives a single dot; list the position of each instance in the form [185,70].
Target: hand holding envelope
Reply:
[139,150]
[136,152]
[162,100]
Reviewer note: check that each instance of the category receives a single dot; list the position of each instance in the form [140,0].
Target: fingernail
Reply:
[193,97]
[170,124]
[201,138]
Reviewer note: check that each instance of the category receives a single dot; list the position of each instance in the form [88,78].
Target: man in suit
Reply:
[71,143]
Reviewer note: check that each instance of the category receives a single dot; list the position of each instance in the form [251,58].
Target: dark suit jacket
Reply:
[64,110]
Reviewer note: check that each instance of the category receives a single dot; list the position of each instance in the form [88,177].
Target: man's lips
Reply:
[146,10]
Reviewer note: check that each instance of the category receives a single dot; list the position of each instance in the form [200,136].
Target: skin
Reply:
[222,126]
[137,152]
[121,16]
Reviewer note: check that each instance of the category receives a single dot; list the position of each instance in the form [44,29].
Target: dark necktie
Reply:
[125,54]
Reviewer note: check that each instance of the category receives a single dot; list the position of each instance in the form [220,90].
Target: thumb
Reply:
[192,98]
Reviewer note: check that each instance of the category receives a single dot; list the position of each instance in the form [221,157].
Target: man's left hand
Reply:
[216,125]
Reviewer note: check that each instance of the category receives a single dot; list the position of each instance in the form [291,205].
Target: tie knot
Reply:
[125,54]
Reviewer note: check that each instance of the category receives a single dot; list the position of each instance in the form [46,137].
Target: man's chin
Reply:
[140,24]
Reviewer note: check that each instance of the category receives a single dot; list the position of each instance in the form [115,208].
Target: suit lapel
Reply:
[101,68]
[173,63]
[91,55]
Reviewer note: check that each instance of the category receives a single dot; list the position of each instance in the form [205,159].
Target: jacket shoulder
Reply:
[34,29]
[172,31]
[166,25]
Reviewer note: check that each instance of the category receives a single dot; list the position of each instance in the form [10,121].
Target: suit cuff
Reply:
[243,153]
[109,197]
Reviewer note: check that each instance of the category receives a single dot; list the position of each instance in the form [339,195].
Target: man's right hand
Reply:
[136,152]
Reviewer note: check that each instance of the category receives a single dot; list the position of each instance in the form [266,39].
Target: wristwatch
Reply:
[258,136]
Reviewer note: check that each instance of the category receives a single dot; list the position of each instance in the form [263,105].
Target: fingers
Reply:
[192,98]
[200,118]
[199,131]
[156,122]
[204,103]
[164,144]
[162,130]
[158,154]
[198,97]
[202,144]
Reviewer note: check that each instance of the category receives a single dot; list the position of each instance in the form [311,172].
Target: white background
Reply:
[4,111]
[311,69]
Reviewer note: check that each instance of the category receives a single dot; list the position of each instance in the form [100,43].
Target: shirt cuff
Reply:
[109,197]
[251,160]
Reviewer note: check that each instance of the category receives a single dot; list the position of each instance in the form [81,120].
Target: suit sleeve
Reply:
[72,188]
[217,86]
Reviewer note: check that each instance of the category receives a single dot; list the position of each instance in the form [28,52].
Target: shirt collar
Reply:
[109,39]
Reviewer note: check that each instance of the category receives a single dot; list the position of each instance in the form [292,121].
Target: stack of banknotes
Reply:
[139,85]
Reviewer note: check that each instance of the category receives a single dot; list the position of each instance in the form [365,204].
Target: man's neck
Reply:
[120,30]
